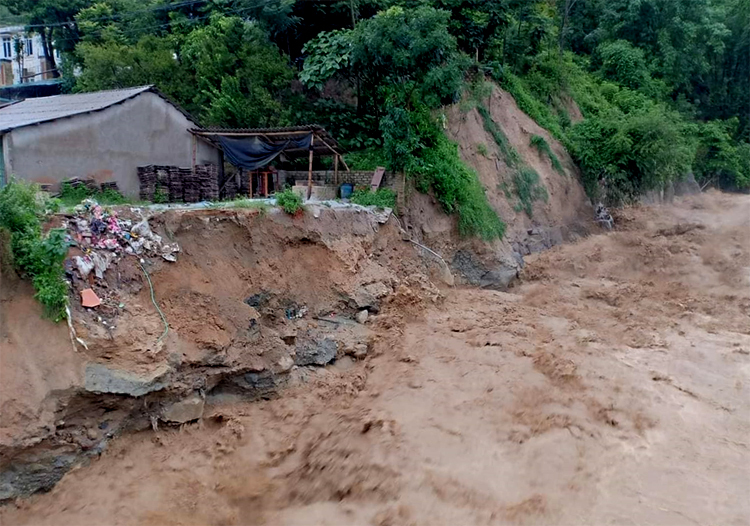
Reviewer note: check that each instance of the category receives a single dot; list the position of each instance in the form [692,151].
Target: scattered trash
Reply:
[84,264]
[603,217]
[103,236]
[89,298]
[258,300]
[294,312]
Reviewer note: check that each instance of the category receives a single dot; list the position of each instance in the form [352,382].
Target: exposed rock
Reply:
[315,349]
[500,277]
[258,300]
[252,384]
[101,379]
[378,289]
[368,297]
[362,316]
[22,479]
[285,363]
[187,410]
[360,351]
[362,299]
[382,214]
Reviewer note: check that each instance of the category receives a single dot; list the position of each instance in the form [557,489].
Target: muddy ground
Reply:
[609,387]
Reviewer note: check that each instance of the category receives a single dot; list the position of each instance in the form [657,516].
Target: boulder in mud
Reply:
[186,410]
[314,348]
[369,296]
[362,316]
[499,277]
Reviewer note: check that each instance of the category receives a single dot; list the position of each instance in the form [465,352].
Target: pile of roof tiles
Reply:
[179,185]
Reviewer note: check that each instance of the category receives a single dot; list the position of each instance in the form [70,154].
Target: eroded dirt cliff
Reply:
[253,295]
[608,387]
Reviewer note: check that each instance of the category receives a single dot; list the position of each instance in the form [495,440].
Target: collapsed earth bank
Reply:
[256,298]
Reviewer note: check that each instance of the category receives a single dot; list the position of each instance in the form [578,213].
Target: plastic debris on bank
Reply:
[103,237]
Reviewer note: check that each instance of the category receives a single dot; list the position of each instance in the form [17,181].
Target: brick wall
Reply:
[359,178]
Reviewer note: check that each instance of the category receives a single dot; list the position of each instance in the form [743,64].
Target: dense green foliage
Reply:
[35,254]
[71,196]
[382,198]
[663,89]
[376,73]
[289,201]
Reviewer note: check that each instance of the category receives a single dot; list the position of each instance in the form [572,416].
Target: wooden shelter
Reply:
[254,148]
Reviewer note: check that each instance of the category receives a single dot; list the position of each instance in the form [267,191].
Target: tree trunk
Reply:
[566,14]
[49,52]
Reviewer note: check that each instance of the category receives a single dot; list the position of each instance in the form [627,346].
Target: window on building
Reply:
[7,47]
[29,46]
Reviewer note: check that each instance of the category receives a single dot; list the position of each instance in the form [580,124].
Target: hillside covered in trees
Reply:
[640,92]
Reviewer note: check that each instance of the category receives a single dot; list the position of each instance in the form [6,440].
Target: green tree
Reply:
[232,48]
[151,60]
[718,157]
[622,62]
[630,153]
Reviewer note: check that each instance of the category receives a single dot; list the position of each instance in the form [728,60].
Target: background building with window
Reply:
[22,57]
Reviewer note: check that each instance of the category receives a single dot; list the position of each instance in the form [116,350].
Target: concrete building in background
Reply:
[103,136]
[29,65]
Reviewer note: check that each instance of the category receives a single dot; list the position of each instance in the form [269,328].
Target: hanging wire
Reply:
[153,300]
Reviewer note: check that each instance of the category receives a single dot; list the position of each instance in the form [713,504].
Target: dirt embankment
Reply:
[255,298]
[610,387]
[565,215]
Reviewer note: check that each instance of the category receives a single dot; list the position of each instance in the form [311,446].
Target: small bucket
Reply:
[346,190]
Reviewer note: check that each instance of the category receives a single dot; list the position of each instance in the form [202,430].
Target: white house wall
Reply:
[33,63]
[107,145]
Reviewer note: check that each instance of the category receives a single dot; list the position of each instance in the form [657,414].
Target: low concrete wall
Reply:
[321,177]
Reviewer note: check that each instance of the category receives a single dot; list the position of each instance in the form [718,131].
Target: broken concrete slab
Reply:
[102,379]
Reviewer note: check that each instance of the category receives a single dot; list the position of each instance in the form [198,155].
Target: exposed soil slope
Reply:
[565,215]
[610,387]
[253,294]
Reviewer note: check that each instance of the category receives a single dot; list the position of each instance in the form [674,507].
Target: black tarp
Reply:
[256,152]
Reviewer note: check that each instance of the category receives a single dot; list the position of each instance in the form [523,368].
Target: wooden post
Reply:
[309,169]
[336,170]
[195,151]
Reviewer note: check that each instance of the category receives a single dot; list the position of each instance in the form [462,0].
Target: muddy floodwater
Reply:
[610,386]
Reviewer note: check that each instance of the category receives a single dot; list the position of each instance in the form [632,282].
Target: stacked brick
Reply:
[179,185]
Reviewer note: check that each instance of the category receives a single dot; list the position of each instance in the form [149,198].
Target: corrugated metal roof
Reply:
[260,131]
[44,109]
